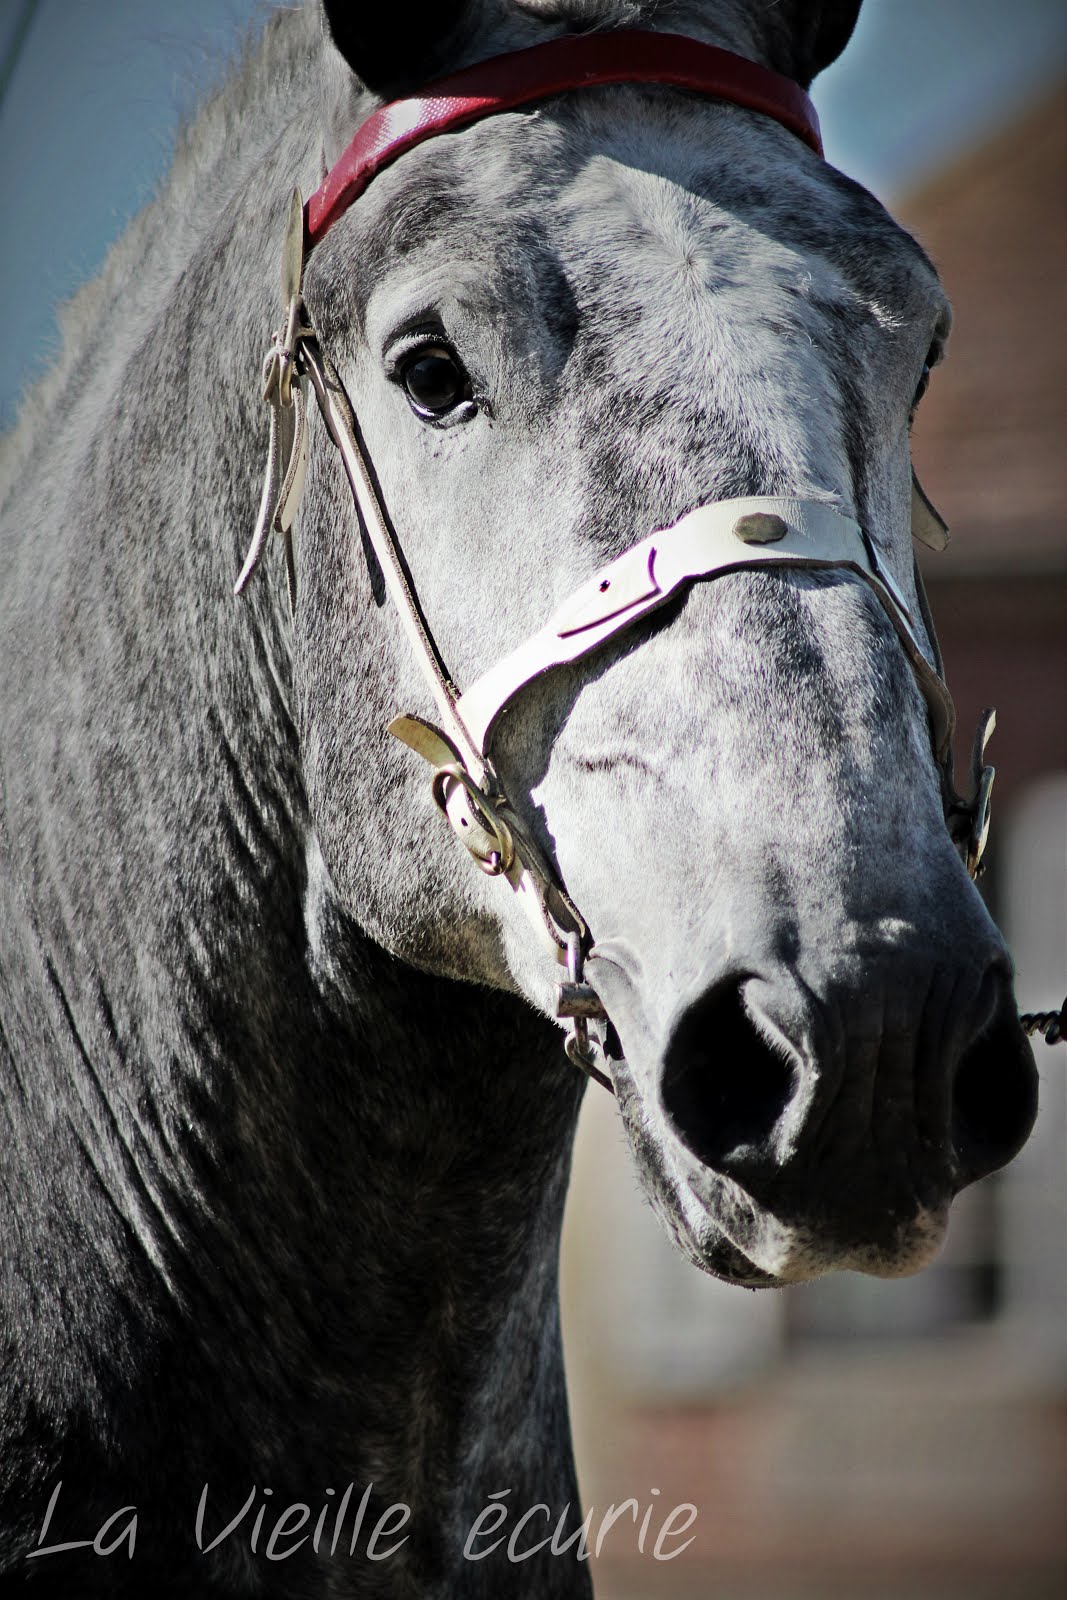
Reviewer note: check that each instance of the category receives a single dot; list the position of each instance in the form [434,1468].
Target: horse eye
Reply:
[435,381]
[933,356]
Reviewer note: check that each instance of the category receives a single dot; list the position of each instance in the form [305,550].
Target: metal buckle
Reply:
[968,820]
[578,1003]
[478,823]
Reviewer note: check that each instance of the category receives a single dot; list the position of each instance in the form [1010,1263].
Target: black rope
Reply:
[1051,1025]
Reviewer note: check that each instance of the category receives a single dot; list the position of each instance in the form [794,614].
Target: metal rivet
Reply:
[761,527]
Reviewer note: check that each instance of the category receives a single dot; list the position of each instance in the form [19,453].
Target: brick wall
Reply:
[990,440]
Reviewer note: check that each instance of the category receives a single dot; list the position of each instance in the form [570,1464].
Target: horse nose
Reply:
[994,1086]
[726,1088]
[753,1103]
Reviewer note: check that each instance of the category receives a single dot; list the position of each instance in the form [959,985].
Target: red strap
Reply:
[575,62]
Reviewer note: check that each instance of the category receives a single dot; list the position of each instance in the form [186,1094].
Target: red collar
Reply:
[577,61]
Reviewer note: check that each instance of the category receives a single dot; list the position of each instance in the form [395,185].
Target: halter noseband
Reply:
[725,536]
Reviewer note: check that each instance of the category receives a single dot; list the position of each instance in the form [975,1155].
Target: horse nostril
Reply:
[994,1095]
[724,1088]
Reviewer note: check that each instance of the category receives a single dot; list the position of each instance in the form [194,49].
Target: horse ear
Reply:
[392,48]
[807,35]
[837,18]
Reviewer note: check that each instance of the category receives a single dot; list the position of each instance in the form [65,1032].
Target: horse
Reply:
[287,1120]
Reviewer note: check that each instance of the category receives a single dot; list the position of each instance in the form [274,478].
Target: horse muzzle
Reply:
[801,1133]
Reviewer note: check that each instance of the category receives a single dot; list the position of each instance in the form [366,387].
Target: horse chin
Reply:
[805,1257]
[725,1231]
[778,1254]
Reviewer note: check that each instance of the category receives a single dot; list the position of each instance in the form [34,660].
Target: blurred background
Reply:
[849,1440]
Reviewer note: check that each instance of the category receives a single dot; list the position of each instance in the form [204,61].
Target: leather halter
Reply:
[586,61]
[723,537]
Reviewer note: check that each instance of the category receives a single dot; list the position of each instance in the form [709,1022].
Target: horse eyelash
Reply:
[411,343]
[934,357]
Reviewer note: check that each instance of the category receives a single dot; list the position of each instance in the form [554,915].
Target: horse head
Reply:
[563,327]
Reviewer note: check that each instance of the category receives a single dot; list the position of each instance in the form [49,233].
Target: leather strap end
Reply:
[426,740]
[927,523]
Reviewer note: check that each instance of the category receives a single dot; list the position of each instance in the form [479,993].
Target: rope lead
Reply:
[1051,1025]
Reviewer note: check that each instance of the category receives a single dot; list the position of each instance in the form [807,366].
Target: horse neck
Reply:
[151,776]
[245,1109]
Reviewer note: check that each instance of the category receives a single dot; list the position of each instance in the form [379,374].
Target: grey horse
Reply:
[286,1124]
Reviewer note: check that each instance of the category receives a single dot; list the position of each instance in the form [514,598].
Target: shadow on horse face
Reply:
[631,318]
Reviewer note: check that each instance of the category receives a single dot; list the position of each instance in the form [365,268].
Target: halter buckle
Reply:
[475,818]
[578,1004]
[968,820]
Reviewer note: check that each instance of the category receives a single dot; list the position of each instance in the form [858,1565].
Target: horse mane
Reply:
[276,65]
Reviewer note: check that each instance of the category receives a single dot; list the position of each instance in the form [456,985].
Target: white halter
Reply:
[728,536]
